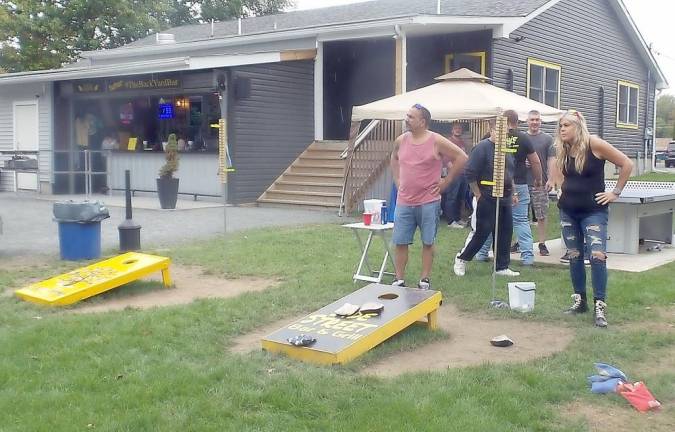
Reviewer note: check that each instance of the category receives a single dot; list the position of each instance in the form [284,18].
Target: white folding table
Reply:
[644,211]
[374,230]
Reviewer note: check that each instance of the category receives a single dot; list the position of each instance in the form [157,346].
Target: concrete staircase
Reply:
[313,180]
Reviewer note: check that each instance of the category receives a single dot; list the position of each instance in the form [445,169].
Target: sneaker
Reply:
[507,272]
[460,266]
[515,248]
[424,284]
[456,225]
[565,259]
[600,313]
[579,305]
[398,283]
[543,250]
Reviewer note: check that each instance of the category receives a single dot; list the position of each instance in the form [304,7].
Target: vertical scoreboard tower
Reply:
[498,175]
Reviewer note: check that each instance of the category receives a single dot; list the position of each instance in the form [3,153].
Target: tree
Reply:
[220,10]
[38,34]
[665,116]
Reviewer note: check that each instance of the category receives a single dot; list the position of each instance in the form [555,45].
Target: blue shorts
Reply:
[408,218]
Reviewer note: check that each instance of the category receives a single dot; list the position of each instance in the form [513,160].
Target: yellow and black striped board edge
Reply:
[85,282]
[340,340]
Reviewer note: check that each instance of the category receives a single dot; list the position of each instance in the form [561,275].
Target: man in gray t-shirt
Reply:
[543,146]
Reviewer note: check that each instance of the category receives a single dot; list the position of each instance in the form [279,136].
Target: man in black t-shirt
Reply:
[479,174]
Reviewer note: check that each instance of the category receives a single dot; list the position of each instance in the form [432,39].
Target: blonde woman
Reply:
[583,205]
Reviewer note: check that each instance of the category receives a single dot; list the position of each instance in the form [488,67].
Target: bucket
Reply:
[374,206]
[521,296]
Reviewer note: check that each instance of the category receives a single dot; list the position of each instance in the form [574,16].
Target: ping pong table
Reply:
[643,212]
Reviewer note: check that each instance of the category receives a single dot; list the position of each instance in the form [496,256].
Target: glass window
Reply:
[536,77]
[544,82]
[627,104]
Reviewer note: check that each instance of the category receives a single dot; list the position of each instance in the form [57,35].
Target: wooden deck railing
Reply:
[367,156]
[369,151]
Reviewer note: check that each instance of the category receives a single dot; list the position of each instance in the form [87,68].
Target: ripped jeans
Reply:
[582,230]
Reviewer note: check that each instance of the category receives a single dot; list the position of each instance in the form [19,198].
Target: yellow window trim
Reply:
[549,65]
[629,84]
[480,54]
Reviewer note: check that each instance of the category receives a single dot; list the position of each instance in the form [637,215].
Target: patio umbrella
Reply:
[459,95]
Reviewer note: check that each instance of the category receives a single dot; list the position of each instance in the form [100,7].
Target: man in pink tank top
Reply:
[416,167]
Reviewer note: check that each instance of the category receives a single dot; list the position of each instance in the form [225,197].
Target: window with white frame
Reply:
[543,82]
[628,95]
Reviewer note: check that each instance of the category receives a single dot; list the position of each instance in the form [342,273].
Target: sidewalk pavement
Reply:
[643,261]
[29,227]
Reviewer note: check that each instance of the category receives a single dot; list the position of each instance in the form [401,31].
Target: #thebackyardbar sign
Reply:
[143,84]
[117,85]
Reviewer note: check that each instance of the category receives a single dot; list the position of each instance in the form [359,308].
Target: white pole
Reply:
[318,92]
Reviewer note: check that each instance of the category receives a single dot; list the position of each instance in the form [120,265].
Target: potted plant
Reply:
[167,185]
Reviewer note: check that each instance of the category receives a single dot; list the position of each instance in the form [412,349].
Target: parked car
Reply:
[670,155]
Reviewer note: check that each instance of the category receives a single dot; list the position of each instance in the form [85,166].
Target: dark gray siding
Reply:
[426,54]
[270,127]
[587,40]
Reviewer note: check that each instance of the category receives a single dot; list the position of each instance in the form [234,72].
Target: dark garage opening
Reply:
[355,73]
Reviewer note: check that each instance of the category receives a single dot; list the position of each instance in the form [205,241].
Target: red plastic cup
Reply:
[367,218]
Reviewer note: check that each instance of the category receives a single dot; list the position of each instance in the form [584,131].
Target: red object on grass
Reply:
[638,395]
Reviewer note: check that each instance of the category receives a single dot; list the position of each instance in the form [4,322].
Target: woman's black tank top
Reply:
[579,189]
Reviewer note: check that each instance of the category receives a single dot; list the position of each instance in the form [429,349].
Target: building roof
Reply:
[356,12]
[345,22]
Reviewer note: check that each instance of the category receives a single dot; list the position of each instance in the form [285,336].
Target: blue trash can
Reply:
[79,241]
[80,229]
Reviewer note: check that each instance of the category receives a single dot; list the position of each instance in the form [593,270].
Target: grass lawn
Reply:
[169,369]
[656,176]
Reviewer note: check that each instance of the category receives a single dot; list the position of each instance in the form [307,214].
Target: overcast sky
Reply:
[654,18]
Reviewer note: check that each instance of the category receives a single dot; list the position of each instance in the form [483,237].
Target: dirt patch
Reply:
[14,262]
[626,418]
[468,345]
[191,283]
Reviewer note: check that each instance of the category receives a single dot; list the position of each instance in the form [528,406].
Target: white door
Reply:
[26,138]
[26,126]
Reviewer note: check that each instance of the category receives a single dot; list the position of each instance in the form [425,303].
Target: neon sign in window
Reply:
[166,111]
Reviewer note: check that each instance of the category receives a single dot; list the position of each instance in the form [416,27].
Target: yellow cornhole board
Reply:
[340,340]
[94,279]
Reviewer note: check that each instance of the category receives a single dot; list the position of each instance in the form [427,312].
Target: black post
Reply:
[127,192]
[130,232]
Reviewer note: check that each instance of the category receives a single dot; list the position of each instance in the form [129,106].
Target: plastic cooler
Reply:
[373,206]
